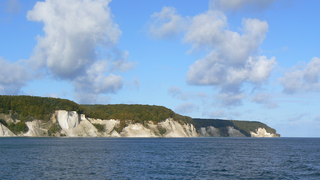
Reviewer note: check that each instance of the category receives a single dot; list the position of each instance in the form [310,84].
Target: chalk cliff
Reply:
[5,132]
[262,132]
[72,124]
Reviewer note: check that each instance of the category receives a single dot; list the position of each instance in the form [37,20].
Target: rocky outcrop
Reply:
[5,132]
[137,130]
[234,132]
[67,119]
[35,129]
[175,129]
[262,132]
[109,126]
[209,131]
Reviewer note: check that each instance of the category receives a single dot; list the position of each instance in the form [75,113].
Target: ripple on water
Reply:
[159,158]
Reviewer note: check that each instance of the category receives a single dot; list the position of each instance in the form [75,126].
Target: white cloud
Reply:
[176,92]
[13,76]
[236,5]
[298,117]
[231,99]
[77,32]
[302,78]
[232,59]
[73,29]
[265,99]
[120,62]
[94,82]
[186,108]
[166,24]
[317,118]
[13,6]
[217,114]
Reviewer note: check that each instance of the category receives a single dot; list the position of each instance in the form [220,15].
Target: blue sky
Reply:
[235,59]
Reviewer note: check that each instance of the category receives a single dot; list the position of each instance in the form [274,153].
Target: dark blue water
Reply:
[159,158]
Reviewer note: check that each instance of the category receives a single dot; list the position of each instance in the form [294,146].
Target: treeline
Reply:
[243,126]
[26,108]
[135,113]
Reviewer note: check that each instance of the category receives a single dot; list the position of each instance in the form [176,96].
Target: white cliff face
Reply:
[137,130]
[234,132]
[210,131]
[262,132]
[109,126]
[67,120]
[35,129]
[175,129]
[76,129]
[5,132]
[203,132]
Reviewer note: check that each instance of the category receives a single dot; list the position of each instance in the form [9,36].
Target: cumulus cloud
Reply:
[13,76]
[75,32]
[119,61]
[302,78]
[265,99]
[233,56]
[94,82]
[166,24]
[236,5]
[73,29]
[186,108]
[232,60]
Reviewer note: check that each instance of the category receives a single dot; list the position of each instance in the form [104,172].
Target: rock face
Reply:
[209,131]
[262,132]
[234,132]
[35,129]
[175,129]
[71,124]
[109,126]
[67,120]
[137,130]
[5,132]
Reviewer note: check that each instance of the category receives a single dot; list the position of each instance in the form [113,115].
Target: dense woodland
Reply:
[27,108]
[243,126]
[136,113]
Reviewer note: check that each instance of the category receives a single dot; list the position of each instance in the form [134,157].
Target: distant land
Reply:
[53,117]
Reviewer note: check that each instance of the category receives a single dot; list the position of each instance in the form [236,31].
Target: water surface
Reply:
[159,158]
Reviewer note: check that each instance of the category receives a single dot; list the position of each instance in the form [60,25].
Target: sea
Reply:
[159,158]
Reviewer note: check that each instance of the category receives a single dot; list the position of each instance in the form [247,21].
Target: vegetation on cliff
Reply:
[243,126]
[18,127]
[135,113]
[29,107]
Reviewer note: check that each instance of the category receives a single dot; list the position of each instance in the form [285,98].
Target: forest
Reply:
[243,126]
[27,108]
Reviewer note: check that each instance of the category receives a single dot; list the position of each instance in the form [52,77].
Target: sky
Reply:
[226,59]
